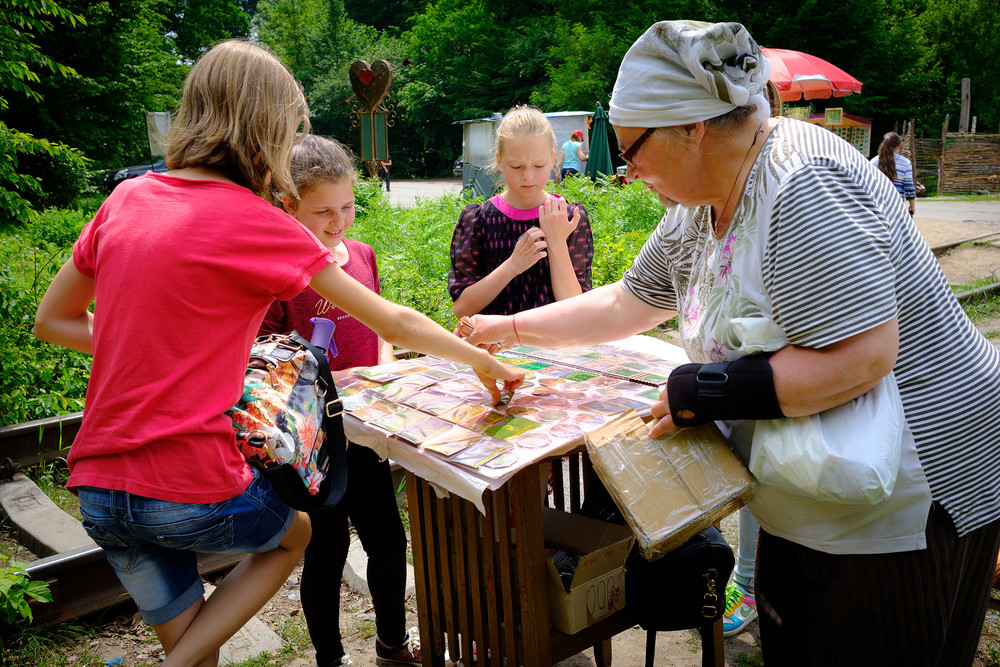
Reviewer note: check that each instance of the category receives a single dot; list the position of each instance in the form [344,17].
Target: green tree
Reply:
[582,67]
[196,25]
[467,63]
[124,67]
[318,41]
[21,21]
[961,39]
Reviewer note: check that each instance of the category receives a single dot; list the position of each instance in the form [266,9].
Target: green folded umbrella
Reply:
[599,160]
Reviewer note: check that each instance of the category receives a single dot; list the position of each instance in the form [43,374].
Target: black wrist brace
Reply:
[740,389]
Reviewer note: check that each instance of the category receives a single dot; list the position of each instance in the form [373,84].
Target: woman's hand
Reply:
[488,331]
[553,218]
[661,412]
[530,248]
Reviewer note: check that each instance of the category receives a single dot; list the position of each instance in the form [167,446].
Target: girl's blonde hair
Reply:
[317,160]
[523,121]
[241,112]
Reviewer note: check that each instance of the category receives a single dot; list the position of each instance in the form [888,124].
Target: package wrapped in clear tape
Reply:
[672,487]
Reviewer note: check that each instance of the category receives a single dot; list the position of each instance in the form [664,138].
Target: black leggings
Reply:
[370,502]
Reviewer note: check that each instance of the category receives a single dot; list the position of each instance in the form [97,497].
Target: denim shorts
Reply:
[153,544]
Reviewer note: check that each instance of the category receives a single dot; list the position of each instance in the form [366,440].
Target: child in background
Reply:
[897,168]
[183,266]
[524,247]
[323,173]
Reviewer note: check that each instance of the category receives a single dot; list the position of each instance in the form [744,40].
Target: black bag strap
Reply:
[333,421]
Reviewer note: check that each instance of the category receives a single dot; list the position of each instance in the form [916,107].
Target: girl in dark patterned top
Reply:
[524,247]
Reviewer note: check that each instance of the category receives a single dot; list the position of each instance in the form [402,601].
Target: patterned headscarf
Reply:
[683,72]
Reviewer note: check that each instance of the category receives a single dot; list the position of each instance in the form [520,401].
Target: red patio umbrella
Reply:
[802,76]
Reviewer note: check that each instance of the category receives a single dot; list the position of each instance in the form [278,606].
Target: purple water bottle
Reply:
[323,335]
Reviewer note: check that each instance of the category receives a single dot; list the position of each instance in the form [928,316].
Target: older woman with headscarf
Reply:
[775,218]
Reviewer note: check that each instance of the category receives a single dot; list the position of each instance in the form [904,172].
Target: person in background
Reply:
[324,173]
[783,220]
[383,170]
[897,168]
[523,247]
[741,605]
[573,155]
[183,266]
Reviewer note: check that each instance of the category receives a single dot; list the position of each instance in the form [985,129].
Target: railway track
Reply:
[79,578]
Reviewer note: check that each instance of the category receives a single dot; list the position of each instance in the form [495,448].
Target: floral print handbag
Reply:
[289,422]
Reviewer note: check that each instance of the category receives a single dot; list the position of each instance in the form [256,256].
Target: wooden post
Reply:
[963,122]
[973,130]
[944,147]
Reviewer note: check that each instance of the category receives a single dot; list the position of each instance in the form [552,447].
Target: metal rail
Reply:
[979,291]
[82,583]
[938,249]
[39,441]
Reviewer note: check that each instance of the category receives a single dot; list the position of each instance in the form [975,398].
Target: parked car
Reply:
[113,178]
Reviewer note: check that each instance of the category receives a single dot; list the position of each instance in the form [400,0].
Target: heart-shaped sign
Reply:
[370,82]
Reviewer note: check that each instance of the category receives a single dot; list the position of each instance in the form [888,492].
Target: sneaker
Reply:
[741,610]
[342,661]
[407,653]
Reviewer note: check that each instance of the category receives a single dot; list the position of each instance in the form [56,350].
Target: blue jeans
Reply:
[152,544]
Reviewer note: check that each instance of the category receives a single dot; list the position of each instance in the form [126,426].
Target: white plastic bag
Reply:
[848,454]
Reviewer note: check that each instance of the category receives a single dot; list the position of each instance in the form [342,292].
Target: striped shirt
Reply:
[904,176]
[823,245]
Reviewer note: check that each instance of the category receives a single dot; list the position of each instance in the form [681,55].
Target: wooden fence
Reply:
[956,163]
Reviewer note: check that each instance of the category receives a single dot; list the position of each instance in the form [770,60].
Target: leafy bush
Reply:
[15,589]
[37,379]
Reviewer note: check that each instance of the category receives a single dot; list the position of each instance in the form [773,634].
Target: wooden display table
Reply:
[479,557]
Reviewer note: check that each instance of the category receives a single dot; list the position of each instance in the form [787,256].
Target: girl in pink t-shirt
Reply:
[181,267]
[324,175]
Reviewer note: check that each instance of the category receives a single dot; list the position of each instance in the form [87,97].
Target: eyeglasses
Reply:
[629,153]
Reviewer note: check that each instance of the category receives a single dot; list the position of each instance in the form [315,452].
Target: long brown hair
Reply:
[241,112]
[886,154]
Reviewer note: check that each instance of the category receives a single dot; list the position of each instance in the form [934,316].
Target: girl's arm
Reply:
[554,220]
[580,154]
[63,317]
[407,328]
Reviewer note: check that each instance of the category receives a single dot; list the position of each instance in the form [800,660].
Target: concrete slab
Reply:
[254,638]
[356,570]
[44,529]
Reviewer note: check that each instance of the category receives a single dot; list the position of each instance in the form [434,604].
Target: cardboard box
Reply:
[598,585]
